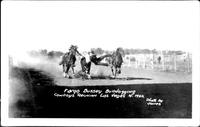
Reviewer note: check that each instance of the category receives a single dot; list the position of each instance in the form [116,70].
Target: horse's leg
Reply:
[66,72]
[119,71]
[88,76]
[73,70]
[74,60]
[88,70]
[112,69]
[83,67]
[89,67]
[82,62]
[63,68]
[115,72]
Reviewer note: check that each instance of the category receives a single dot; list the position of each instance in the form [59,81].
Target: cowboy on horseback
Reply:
[72,50]
[68,60]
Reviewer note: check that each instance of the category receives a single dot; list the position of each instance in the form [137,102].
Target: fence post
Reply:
[163,61]
[174,62]
[152,60]
[144,62]
[188,59]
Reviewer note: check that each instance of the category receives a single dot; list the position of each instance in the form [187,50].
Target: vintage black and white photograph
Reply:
[100,59]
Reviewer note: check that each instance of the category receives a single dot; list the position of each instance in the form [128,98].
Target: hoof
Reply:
[113,76]
[66,75]
[88,76]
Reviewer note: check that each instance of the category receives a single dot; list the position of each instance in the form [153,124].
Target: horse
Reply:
[68,61]
[116,61]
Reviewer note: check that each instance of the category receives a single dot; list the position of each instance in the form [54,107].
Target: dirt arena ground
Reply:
[101,75]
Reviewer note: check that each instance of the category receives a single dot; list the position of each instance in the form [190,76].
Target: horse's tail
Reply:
[62,59]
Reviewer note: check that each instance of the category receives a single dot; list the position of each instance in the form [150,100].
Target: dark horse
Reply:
[68,61]
[116,61]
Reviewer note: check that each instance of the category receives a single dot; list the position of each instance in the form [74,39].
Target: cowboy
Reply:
[97,60]
[74,50]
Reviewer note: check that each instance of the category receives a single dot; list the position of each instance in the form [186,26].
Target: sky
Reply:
[33,25]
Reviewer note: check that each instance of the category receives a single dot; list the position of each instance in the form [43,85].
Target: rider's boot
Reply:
[119,72]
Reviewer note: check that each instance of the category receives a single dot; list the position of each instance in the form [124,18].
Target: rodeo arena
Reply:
[122,83]
[160,61]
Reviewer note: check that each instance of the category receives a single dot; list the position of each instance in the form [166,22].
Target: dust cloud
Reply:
[39,62]
[20,87]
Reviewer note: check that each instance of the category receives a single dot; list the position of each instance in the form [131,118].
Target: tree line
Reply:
[140,51]
[100,51]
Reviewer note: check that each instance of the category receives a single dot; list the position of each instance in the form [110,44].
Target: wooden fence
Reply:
[172,63]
